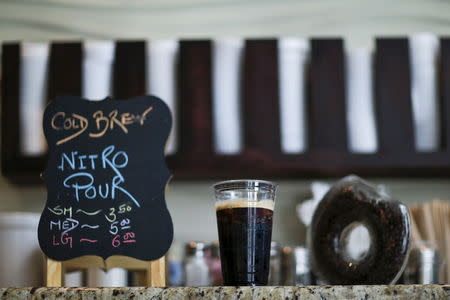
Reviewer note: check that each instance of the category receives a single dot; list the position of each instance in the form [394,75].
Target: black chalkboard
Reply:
[105,177]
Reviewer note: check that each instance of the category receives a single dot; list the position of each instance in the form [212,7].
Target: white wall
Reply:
[357,20]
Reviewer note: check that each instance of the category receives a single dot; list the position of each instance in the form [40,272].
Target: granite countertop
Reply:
[309,292]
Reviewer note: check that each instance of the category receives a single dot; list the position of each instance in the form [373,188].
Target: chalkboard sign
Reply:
[106,176]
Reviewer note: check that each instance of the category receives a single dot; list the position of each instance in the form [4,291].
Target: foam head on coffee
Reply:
[244,203]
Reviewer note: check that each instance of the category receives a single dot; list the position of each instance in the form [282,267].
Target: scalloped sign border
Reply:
[105,176]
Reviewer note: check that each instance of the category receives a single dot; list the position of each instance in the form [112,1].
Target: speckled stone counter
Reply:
[309,292]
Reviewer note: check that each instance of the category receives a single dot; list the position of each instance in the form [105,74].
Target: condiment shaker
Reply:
[213,261]
[296,268]
[196,268]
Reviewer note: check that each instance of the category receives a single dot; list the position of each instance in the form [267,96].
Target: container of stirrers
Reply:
[430,228]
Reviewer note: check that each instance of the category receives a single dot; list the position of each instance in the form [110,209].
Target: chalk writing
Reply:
[122,225]
[89,213]
[90,226]
[79,169]
[105,177]
[64,239]
[102,121]
[88,240]
[128,237]
[66,225]
[83,183]
[57,210]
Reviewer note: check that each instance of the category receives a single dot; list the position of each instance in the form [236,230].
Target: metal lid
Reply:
[213,249]
[425,255]
[193,248]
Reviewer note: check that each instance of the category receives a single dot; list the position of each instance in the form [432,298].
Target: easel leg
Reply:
[54,273]
[156,273]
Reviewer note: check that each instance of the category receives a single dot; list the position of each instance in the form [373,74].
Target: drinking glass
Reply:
[244,210]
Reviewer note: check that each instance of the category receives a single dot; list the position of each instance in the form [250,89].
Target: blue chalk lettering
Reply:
[70,161]
[115,186]
[77,186]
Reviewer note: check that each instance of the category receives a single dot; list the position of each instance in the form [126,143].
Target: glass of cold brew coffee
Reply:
[244,211]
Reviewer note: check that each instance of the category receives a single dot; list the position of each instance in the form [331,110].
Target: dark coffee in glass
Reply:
[244,211]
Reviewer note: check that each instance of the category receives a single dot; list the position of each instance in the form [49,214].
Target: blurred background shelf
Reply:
[326,109]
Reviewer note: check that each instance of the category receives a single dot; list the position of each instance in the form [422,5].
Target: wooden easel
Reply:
[150,273]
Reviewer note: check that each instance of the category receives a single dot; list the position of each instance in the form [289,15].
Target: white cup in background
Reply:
[21,259]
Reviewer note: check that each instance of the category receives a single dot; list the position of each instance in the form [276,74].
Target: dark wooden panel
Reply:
[10,106]
[445,92]
[17,167]
[195,100]
[65,67]
[129,69]
[393,96]
[261,116]
[327,125]
[327,155]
